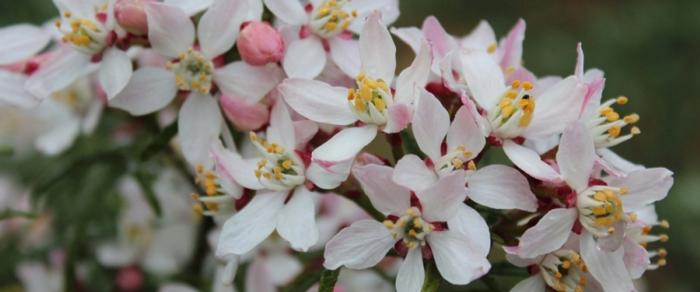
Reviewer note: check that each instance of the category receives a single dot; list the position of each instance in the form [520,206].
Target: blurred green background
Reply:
[649,50]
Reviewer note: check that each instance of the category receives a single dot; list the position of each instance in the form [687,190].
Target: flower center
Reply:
[599,208]
[370,100]
[460,158]
[331,18]
[514,112]
[84,34]
[607,125]
[211,203]
[192,71]
[563,270]
[410,227]
[279,170]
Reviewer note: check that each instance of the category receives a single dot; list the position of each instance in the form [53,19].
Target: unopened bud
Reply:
[259,43]
[131,15]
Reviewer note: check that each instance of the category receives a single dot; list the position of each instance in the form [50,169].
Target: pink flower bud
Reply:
[131,15]
[245,116]
[259,43]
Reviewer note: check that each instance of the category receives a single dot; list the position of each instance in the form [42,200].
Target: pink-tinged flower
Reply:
[602,207]
[131,15]
[373,103]
[172,34]
[435,222]
[561,270]
[282,201]
[19,43]
[259,43]
[642,252]
[452,147]
[604,122]
[507,53]
[325,24]
[89,32]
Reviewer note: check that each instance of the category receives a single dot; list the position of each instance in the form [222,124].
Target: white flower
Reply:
[321,24]
[436,220]
[373,103]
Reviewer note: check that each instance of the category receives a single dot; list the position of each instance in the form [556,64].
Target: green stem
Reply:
[328,279]
[432,278]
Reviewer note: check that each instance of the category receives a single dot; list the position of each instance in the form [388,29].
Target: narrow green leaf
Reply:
[432,278]
[328,279]
[147,189]
[159,142]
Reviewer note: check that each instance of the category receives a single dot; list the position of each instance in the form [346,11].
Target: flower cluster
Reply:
[301,138]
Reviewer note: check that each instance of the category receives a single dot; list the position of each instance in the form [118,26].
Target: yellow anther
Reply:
[379,104]
[266,175]
[515,84]
[600,196]
[511,93]
[412,233]
[388,224]
[635,131]
[507,111]
[492,48]
[194,196]
[566,264]
[622,100]
[197,209]
[599,210]
[527,85]
[258,173]
[351,94]
[457,163]
[664,224]
[412,211]
[418,223]
[611,230]
[633,217]
[631,119]
[663,238]
[614,132]
[262,163]
[557,275]
[612,116]
[287,164]
[471,165]
[329,26]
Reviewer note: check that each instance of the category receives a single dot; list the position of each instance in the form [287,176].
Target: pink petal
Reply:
[281,129]
[218,28]
[484,78]
[411,273]
[412,79]
[246,117]
[465,131]
[645,187]
[246,81]
[377,50]
[411,172]
[170,30]
[576,156]
[606,267]
[318,101]
[470,223]
[501,187]
[346,54]
[291,12]
[534,283]
[441,200]
[530,162]
[400,115]
[636,258]
[439,39]
[305,58]
[556,107]
[430,124]
[115,71]
[337,154]
[149,89]
[296,221]
[385,195]
[249,227]
[199,125]
[456,258]
[550,233]
[20,42]
[359,246]
[511,48]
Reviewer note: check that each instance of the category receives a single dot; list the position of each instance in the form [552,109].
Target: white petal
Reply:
[190,7]
[530,162]
[549,234]
[441,200]
[412,36]
[199,125]
[64,67]
[389,10]
[377,50]
[456,257]
[617,162]
[283,267]
[21,41]
[344,145]
[411,274]
[219,26]
[346,54]
[12,90]
[242,170]
[480,38]
[414,77]
[170,30]
[607,267]
[62,132]
[534,283]
[150,89]
[291,12]
[304,58]
[576,156]
[304,130]
[359,246]
[328,176]
[251,225]
[411,172]
[115,72]
[258,277]
[281,129]
[470,223]
[386,196]
[511,48]
[501,187]
[318,101]
[249,82]
[556,107]
[645,187]
[484,78]
[636,258]
[430,124]
[465,131]
[297,220]
[399,116]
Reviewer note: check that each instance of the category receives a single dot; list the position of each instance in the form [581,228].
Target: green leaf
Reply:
[328,279]
[12,213]
[148,192]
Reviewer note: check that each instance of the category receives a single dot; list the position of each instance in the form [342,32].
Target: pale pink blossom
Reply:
[373,103]
[418,225]
[131,16]
[259,43]
[325,26]
[19,43]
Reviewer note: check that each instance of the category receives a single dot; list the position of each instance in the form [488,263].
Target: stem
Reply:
[490,283]
[396,146]
[328,279]
[432,278]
